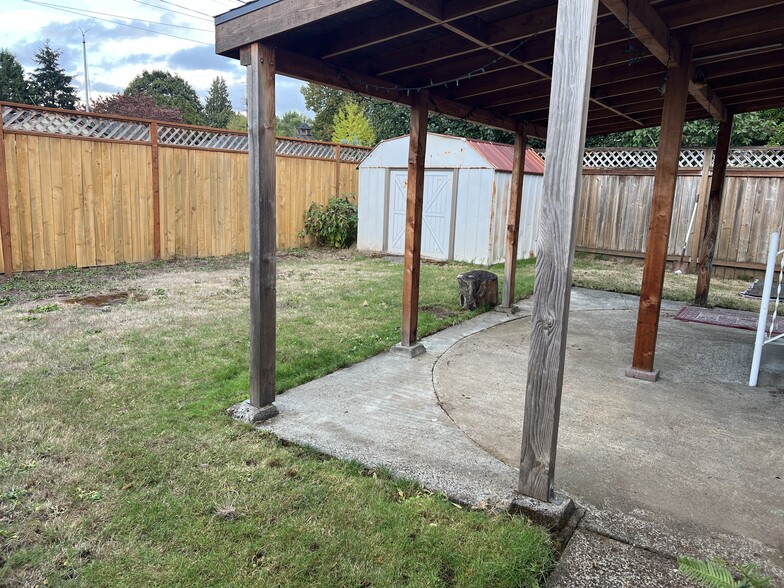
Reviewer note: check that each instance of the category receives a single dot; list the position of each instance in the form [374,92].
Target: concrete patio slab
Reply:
[689,465]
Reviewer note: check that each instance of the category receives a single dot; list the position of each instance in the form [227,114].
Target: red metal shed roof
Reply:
[501,156]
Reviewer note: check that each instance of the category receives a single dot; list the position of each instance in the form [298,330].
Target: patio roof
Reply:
[490,61]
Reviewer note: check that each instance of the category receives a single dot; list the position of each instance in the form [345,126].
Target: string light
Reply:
[394,89]
[635,55]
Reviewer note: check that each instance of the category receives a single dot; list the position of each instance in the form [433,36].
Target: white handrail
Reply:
[763,335]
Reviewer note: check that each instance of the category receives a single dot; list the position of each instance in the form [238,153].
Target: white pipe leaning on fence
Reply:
[762,323]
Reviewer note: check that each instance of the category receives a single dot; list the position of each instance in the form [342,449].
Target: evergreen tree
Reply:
[13,85]
[352,126]
[169,90]
[49,84]
[217,108]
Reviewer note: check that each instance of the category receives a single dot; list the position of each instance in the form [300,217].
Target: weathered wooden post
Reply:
[711,231]
[260,62]
[513,220]
[414,198]
[569,93]
[665,178]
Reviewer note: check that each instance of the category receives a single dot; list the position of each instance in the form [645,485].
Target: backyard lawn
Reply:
[118,466]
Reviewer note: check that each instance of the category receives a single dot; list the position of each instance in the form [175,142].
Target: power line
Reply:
[83,10]
[177,11]
[124,24]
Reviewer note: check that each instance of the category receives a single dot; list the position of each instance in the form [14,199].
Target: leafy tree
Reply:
[393,120]
[748,129]
[326,103]
[169,90]
[217,108]
[286,125]
[49,84]
[137,106]
[13,85]
[351,126]
[238,122]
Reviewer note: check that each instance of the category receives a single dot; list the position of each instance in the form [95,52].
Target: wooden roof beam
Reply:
[649,28]
[316,70]
[247,24]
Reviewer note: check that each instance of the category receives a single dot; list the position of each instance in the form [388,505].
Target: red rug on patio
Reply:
[723,317]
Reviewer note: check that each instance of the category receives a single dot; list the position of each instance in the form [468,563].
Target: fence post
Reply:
[156,192]
[702,212]
[5,211]
[337,171]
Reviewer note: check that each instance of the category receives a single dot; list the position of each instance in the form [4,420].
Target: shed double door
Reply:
[437,207]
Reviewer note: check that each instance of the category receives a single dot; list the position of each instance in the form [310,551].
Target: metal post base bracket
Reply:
[247,413]
[637,374]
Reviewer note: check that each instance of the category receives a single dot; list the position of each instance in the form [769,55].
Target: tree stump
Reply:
[478,288]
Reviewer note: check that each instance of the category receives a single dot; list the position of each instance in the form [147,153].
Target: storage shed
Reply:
[466,199]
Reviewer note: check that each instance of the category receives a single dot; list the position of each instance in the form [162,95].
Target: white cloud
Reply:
[117,53]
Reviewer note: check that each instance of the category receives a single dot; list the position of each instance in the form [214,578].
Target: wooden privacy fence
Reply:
[80,189]
[616,196]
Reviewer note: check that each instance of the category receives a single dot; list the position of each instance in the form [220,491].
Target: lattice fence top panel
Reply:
[81,124]
[76,124]
[749,157]
[202,138]
[764,157]
[304,149]
[353,154]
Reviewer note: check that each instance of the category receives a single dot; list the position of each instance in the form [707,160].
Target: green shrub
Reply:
[333,225]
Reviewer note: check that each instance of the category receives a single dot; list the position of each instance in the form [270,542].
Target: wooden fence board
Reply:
[614,209]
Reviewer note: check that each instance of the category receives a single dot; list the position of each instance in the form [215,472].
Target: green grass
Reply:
[120,468]
[600,272]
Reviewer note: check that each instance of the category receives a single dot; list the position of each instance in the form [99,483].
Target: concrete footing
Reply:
[510,310]
[247,413]
[632,372]
[408,351]
[554,514]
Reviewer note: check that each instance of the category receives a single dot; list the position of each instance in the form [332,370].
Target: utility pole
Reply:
[86,75]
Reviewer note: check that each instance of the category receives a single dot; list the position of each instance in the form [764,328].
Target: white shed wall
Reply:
[481,200]
[472,218]
[372,209]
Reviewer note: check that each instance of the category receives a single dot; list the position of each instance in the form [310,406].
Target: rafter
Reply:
[480,37]
[649,28]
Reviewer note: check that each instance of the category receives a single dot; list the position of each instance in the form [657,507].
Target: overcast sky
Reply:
[116,53]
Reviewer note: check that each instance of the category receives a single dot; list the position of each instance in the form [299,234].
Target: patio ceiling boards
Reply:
[490,61]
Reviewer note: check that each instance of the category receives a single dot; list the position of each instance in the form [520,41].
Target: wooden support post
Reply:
[5,211]
[702,210]
[513,218]
[156,192]
[711,231]
[414,199]
[665,178]
[572,61]
[260,62]
[337,171]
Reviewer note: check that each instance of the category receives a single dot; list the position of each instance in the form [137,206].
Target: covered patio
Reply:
[660,472]
[560,70]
